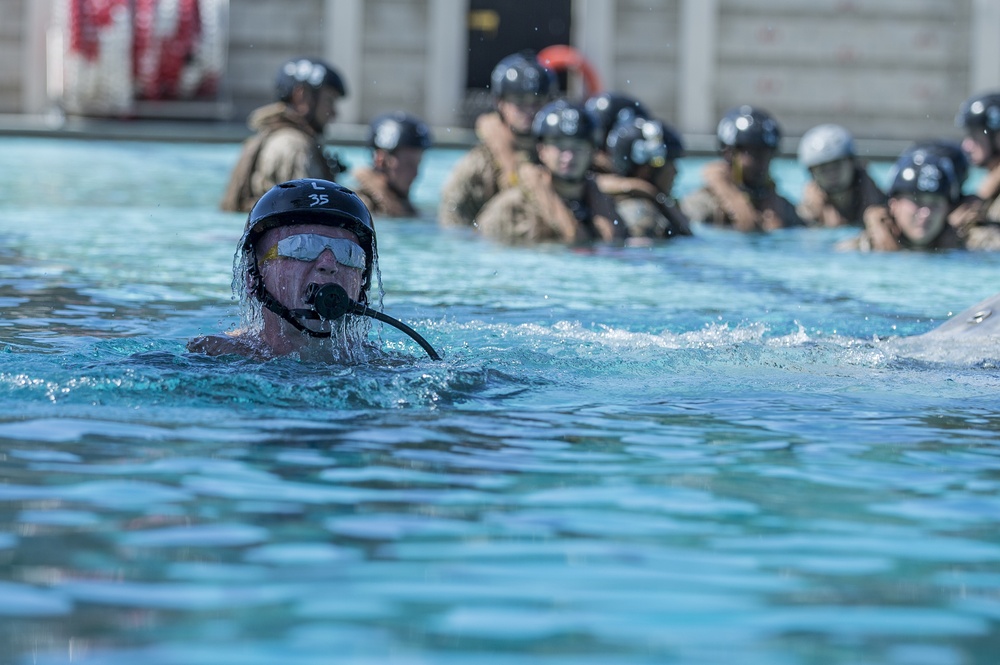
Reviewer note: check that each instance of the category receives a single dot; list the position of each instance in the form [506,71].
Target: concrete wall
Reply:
[884,68]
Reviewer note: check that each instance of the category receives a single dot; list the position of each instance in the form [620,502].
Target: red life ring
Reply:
[560,58]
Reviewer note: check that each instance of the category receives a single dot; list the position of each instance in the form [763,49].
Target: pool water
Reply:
[723,449]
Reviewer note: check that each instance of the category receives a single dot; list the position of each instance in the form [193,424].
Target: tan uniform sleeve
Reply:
[471,183]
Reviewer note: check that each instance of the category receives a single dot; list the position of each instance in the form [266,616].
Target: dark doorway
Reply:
[498,28]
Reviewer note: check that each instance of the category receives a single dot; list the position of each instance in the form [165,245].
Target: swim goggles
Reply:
[308,247]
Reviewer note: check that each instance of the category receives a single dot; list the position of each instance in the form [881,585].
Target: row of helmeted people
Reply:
[548,169]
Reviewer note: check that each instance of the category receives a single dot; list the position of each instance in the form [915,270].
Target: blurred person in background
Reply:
[841,189]
[557,199]
[520,86]
[979,116]
[738,191]
[643,154]
[611,108]
[398,141]
[288,134]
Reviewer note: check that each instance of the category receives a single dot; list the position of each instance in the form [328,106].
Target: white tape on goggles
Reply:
[308,247]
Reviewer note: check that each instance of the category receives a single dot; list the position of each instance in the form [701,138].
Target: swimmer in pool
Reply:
[306,259]
[557,199]
[841,189]
[398,141]
[643,155]
[979,116]
[520,86]
[923,192]
[738,191]
[288,139]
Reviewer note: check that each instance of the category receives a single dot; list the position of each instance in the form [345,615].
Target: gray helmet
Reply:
[980,112]
[563,118]
[638,141]
[825,143]
[612,107]
[748,127]
[521,73]
[923,171]
[398,129]
[310,201]
[309,72]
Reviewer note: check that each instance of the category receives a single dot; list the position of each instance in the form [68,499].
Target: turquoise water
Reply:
[719,450]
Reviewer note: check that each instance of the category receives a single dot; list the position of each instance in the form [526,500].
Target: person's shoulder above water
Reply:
[923,196]
[642,155]
[840,189]
[398,141]
[557,199]
[287,143]
[519,86]
[739,193]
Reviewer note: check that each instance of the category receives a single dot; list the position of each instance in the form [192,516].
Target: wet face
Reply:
[754,163]
[567,158]
[921,217]
[402,168]
[835,176]
[979,146]
[288,279]
[518,111]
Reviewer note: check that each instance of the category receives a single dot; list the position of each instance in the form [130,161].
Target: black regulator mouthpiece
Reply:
[330,302]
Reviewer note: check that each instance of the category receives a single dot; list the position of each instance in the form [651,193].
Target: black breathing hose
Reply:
[332,302]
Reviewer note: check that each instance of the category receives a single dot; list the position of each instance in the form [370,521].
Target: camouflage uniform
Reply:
[284,148]
[646,211]
[724,203]
[487,169]
[381,200]
[533,212]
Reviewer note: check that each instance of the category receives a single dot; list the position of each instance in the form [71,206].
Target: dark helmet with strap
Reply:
[613,107]
[950,150]
[639,141]
[398,129]
[521,73]
[563,118]
[748,127]
[309,72]
[923,171]
[980,112]
[308,201]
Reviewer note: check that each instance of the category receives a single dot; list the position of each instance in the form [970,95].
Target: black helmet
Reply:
[611,107]
[946,149]
[310,201]
[980,112]
[923,171]
[522,73]
[398,129]
[307,71]
[638,141]
[563,118]
[748,127]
